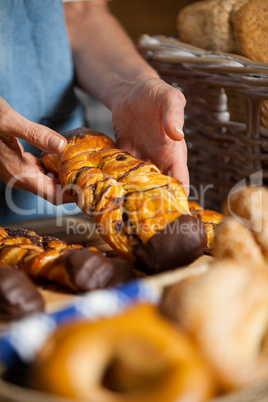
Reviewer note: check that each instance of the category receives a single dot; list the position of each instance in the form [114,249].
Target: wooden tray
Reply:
[55,299]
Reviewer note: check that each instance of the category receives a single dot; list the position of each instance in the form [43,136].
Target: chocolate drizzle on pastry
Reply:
[135,193]
[131,170]
[24,232]
[18,296]
[121,157]
[178,244]
[90,269]
[80,133]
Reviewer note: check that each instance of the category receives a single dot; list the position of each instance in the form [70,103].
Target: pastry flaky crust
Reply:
[129,199]
[72,266]
[211,220]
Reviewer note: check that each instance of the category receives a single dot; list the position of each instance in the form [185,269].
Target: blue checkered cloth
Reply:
[22,340]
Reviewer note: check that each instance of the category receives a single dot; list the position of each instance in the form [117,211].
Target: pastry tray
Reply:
[82,230]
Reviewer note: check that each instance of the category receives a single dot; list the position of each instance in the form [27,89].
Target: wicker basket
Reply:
[224,93]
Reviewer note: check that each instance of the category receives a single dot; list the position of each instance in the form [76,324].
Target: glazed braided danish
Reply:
[143,214]
[72,266]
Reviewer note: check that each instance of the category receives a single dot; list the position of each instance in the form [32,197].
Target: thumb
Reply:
[42,137]
[173,118]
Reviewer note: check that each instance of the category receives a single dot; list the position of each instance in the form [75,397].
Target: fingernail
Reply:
[55,143]
[178,130]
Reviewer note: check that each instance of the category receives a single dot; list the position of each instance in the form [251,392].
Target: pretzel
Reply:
[72,266]
[132,203]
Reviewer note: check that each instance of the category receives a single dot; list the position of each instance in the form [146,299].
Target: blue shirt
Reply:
[37,80]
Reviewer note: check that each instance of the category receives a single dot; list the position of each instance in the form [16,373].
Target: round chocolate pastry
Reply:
[18,295]
[178,244]
[90,269]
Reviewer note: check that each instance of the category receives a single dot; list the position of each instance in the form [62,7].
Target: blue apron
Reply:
[37,80]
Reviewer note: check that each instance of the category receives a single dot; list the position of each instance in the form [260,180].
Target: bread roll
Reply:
[251,36]
[207,24]
[236,241]
[225,311]
[249,206]
[251,29]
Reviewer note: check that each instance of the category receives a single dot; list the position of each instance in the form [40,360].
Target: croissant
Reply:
[73,266]
[141,213]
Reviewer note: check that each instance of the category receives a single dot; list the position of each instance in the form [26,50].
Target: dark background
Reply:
[148,16]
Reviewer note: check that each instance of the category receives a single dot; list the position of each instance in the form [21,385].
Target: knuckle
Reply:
[25,180]
[5,117]
[33,133]
[180,97]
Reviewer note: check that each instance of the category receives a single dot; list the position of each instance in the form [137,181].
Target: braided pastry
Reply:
[211,220]
[72,266]
[141,213]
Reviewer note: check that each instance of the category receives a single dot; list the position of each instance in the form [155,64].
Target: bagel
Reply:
[136,356]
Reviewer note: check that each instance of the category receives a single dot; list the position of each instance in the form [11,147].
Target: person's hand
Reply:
[21,169]
[148,123]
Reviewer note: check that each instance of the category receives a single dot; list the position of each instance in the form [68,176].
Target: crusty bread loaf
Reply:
[251,29]
[236,26]
[233,26]
[207,24]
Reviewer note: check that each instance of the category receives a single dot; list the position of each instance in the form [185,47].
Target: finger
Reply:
[13,124]
[32,160]
[173,115]
[41,185]
[178,165]
[180,171]
[51,190]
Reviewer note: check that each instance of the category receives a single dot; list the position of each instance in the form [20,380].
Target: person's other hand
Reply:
[148,123]
[21,169]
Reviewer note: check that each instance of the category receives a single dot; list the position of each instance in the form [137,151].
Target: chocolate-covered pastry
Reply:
[73,266]
[180,243]
[18,296]
[90,269]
